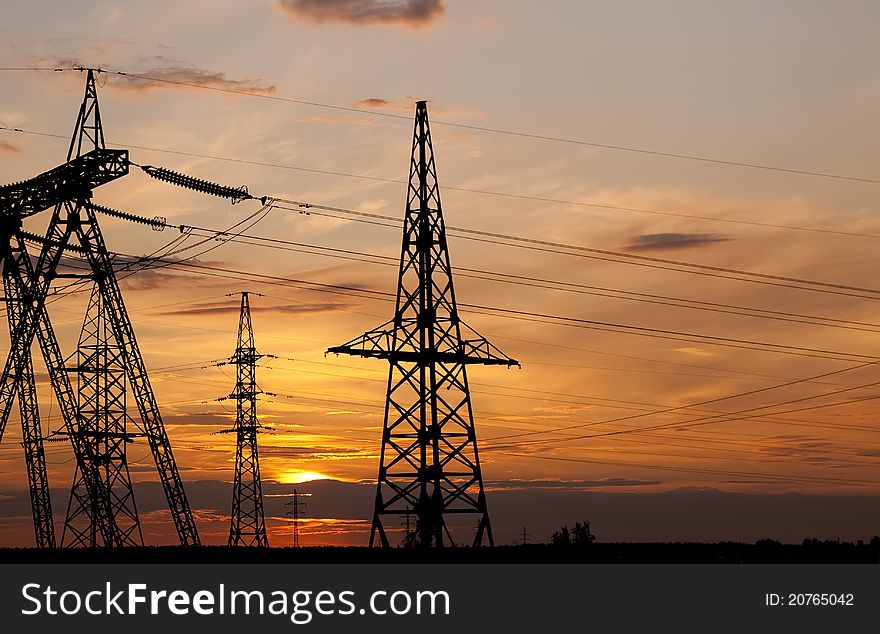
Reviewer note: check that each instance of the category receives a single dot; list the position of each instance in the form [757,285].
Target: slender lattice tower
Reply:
[297,510]
[248,526]
[102,414]
[429,463]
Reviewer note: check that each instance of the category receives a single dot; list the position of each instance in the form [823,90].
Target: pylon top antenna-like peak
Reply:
[88,134]
[237,293]
[83,69]
[424,230]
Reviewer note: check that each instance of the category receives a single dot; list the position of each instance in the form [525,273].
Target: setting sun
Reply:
[298,477]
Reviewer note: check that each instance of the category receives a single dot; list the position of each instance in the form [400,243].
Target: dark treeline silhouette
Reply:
[762,551]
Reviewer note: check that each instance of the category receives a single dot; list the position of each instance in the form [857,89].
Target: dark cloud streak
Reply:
[179,77]
[8,148]
[409,13]
[673,241]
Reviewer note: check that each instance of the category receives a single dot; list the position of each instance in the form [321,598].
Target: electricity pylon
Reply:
[429,458]
[247,526]
[73,230]
[296,511]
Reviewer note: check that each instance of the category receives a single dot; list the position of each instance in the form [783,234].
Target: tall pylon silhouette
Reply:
[73,231]
[429,464]
[247,525]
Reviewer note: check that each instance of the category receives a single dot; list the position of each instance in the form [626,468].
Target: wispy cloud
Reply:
[409,13]
[406,105]
[573,485]
[8,148]
[673,241]
[147,279]
[371,102]
[183,77]
[377,103]
[695,352]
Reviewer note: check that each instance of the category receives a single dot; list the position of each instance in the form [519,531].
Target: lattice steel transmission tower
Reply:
[101,394]
[429,459]
[248,525]
[74,231]
[297,510]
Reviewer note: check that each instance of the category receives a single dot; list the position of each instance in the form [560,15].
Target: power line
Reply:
[582,251]
[618,403]
[687,446]
[717,400]
[512,195]
[526,280]
[473,127]
[514,133]
[780,421]
[796,479]
[526,315]
[673,335]
[722,418]
[550,284]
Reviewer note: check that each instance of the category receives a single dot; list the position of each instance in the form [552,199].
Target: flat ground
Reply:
[723,552]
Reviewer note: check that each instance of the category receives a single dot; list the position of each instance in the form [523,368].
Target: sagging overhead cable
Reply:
[236,195]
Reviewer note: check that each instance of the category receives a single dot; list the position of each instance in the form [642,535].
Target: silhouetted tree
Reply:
[562,537]
[579,535]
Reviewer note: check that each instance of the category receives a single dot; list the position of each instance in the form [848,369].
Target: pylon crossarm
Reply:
[477,346]
[73,180]
[375,343]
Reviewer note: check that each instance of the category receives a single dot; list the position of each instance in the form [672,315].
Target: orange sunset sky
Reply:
[787,84]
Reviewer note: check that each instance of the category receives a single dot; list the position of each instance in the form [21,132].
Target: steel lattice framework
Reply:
[101,392]
[429,462]
[73,229]
[16,265]
[248,525]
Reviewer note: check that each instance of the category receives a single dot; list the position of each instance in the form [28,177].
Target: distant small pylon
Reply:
[295,512]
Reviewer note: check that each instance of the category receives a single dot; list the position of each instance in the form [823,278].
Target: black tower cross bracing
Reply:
[247,525]
[429,463]
[16,263]
[101,391]
[73,228]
